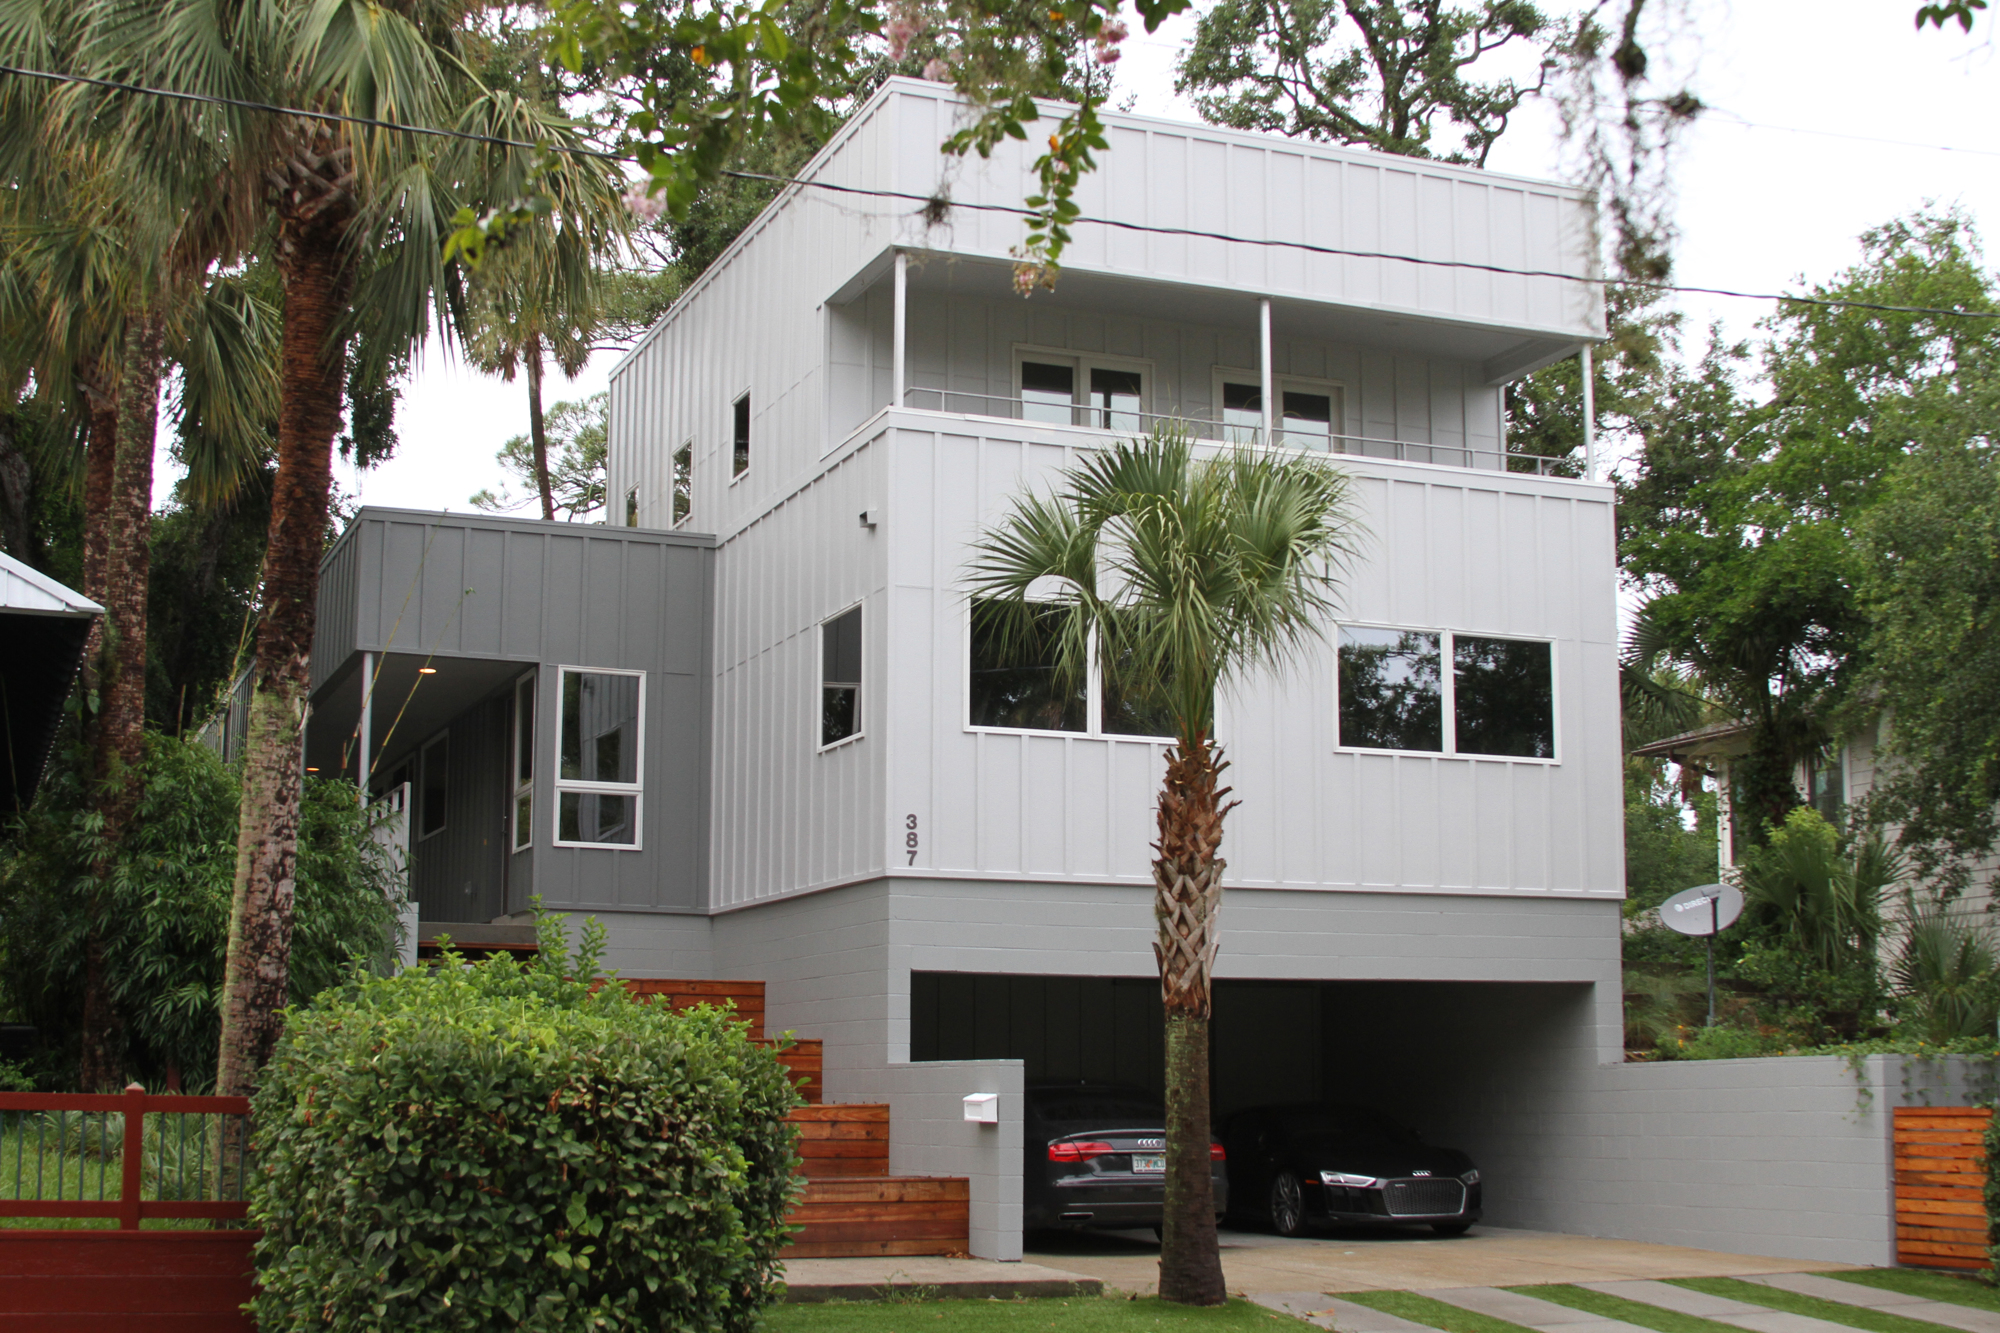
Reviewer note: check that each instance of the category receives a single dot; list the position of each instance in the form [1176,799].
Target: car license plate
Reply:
[1152,1165]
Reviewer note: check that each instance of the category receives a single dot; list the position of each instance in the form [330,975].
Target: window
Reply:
[1499,699]
[600,746]
[840,677]
[632,508]
[1826,786]
[1017,690]
[684,480]
[1012,682]
[1065,390]
[523,772]
[1503,696]
[1048,392]
[741,457]
[433,784]
[1309,414]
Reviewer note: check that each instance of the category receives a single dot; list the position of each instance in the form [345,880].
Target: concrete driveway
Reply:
[1401,1261]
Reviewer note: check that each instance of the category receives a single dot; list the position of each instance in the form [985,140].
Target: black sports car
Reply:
[1095,1155]
[1325,1162]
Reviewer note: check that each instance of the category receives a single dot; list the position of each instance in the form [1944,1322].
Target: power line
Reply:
[1747,123]
[1011,209]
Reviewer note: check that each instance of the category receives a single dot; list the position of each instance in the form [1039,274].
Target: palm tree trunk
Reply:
[119,732]
[538,430]
[318,284]
[1187,883]
[99,458]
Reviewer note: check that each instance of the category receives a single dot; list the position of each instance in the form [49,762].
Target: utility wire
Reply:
[1011,209]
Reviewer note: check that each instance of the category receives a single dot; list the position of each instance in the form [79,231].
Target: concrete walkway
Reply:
[1891,1302]
[1395,1261]
[1756,1318]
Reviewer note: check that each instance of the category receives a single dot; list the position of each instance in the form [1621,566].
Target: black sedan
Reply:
[1096,1156]
[1323,1162]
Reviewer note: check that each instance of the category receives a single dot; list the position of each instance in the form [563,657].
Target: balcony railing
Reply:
[1121,421]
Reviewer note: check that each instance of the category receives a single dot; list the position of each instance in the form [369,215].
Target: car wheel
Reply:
[1287,1204]
[1451,1228]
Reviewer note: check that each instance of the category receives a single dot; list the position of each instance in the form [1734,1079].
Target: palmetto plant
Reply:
[1947,976]
[1181,574]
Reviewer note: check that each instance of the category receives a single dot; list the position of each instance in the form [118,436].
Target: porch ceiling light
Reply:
[427,671]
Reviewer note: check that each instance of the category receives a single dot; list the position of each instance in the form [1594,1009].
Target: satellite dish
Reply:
[1702,910]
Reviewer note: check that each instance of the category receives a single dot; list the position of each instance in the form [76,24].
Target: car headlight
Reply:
[1470,1177]
[1348,1179]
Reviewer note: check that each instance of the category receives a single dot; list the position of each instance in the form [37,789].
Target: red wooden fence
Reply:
[1940,1166]
[146,1281]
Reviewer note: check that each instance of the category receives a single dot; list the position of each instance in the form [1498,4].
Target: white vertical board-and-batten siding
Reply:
[1446,549]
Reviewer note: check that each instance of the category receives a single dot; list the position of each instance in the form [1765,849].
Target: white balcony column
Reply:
[367,728]
[1267,390]
[1589,416]
[901,337]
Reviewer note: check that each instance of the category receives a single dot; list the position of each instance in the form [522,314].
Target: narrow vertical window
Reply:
[1117,400]
[684,482]
[632,508]
[840,677]
[1391,689]
[600,748]
[1308,422]
[1242,413]
[433,785]
[524,762]
[741,457]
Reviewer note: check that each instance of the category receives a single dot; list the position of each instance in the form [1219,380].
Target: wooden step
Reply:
[854,1217]
[806,1058]
[846,1139]
[746,996]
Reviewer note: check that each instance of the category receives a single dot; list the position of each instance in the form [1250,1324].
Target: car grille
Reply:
[1424,1198]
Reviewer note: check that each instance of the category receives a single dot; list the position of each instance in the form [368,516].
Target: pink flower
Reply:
[937,71]
[644,205]
[1107,40]
[905,22]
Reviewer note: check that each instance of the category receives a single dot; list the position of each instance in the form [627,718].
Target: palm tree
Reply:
[356,217]
[1182,574]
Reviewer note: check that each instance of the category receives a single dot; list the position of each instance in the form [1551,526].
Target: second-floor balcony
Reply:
[945,334]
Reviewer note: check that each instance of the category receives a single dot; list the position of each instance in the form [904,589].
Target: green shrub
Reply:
[498,1146]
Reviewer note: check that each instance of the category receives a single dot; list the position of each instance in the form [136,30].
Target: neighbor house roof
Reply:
[45,628]
[1716,740]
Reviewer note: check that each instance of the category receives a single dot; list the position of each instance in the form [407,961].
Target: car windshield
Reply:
[1349,1127]
[1100,1109]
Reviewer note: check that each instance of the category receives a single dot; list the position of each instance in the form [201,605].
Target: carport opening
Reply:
[1457,1061]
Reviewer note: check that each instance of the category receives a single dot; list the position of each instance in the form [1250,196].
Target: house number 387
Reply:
[910,837]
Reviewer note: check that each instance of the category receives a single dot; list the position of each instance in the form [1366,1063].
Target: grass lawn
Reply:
[1433,1313]
[1931,1286]
[1075,1314]
[44,1159]
[1632,1312]
[1854,1316]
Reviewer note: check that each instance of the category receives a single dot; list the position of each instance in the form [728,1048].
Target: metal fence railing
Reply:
[1312,436]
[130,1157]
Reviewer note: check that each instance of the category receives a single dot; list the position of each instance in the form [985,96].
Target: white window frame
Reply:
[1334,389]
[560,784]
[1448,693]
[423,802]
[819,676]
[736,474]
[1085,362]
[522,837]
[1093,701]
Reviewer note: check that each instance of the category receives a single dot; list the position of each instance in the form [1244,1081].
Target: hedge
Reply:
[500,1146]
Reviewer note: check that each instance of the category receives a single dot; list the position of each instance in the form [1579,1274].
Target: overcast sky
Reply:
[1829,117]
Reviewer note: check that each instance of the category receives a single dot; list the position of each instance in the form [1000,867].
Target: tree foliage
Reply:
[167,908]
[576,470]
[1381,74]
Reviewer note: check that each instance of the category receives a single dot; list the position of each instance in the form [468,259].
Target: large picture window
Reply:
[840,677]
[1309,411]
[1394,694]
[600,751]
[1012,683]
[1068,390]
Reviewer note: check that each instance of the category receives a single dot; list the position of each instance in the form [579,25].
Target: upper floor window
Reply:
[632,508]
[1499,698]
[1309,411]
[840,677]
[1102,392]
[740,457]
[599,755]
[684,480]
[1012,684]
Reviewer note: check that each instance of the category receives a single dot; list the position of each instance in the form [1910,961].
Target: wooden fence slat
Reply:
[1939,1159]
